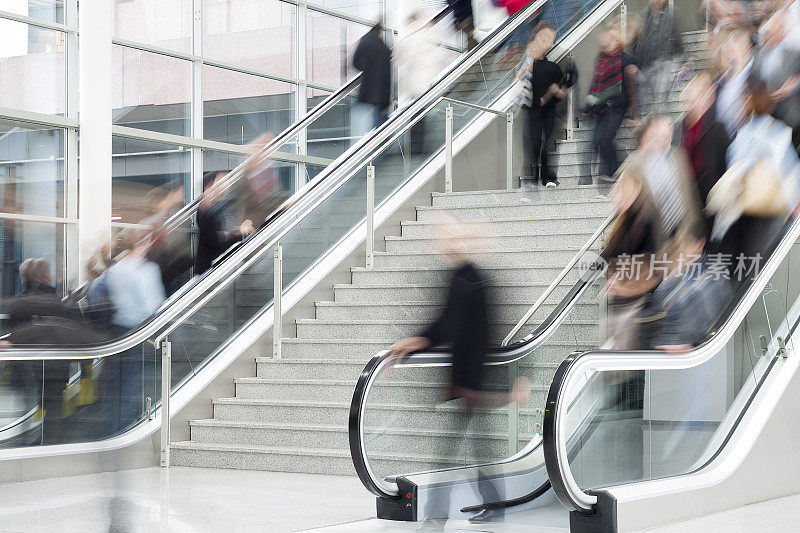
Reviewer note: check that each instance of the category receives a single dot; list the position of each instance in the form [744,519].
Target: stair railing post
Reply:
[276,302]
[570,114]
[623,16]
[448,133]
[509,150]
[370,242]
[513,411]
[166,383]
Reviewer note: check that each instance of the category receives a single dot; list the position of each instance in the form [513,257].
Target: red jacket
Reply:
[512,6]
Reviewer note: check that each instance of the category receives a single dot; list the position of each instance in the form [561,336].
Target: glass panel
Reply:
[150,180]
[254,34]
[639,425]
[151,91]
[331,42]
[239,108]
[366,9]
[20,241]
[32,68]
[162,23]
[31,169]
[336,130]
[47,10]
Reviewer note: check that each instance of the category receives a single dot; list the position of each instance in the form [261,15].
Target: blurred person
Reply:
[464,20]
[691,298]
[656,204]
[99,309]
[373,58]
[418,61]
[736,58]
[540,90]
[522,34]
[261,190]
[170,250]
[612,95]
[464,324]
[778,64]
[212,240]
[38,296]
[762,185]
[704,139]
[136,292]
[661,42]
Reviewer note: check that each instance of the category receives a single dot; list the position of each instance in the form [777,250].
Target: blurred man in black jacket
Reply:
[464,324]
[213,240]
[373,58]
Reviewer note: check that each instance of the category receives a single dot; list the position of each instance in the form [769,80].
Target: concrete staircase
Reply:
[292,416]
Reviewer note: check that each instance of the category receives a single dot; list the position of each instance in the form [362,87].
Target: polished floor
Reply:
[207,500]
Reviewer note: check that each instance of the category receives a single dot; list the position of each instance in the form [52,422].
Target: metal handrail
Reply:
[472,106]
[563,274]
[555,434]
[286,217]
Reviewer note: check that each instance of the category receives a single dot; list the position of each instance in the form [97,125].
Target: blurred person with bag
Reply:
[539,89]
[761,188]
[656,206]
[136,292]
[611,96]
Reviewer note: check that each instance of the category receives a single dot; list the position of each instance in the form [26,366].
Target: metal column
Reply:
[166,385]
[513,411]
[448,132]
[370,242]
[276,302]
[509,150]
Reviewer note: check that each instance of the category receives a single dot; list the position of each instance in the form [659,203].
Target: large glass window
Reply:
[31,169]
[366,9]
[254,34]
[143,174]
[162,23]
[331,42]
[32,68]
[21,240]
[241,107]
[151,91]
[46,10]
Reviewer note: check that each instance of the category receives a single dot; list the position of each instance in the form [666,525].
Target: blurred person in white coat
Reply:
[419,62]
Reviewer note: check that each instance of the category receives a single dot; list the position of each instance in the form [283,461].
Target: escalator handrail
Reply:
[503,355]
[557,281]
[287,216]
[579,364]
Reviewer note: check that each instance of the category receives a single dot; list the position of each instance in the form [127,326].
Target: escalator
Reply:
[210,320]
[612,436]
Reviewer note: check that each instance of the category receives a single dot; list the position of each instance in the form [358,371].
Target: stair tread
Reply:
[212,422]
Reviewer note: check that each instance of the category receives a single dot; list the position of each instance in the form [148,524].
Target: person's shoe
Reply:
[551,184]
[485,515]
